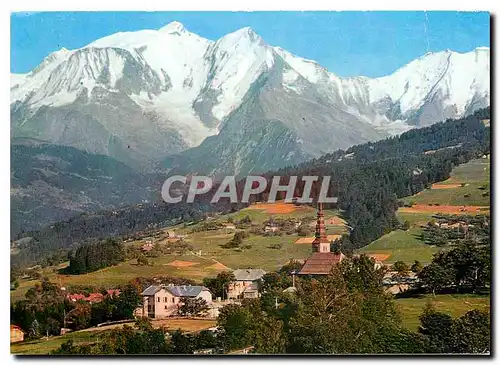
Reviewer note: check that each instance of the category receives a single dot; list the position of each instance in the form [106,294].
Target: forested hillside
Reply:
[51,183]
[368,179]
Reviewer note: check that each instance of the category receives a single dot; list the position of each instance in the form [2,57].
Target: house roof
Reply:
[152,290]
[320,263]
[92,297]
[186,290]
[176,290]
[248,274]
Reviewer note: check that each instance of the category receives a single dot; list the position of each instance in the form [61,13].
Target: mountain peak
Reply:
[172,27]
[244,35]
[247,32]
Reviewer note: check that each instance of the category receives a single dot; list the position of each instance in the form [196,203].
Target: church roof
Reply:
[320,263]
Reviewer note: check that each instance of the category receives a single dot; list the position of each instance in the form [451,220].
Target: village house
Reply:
[394,284]
[271,228]
[160,301]
[92,297]
[229,226]
[376,257]
[173,237]
[147,247]
[16,334]
[246,284]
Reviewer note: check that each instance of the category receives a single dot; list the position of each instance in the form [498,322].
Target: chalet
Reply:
[246,283]
[173,237]
[271,228]
[160,301]
[229,226]
[16,334]
[394,284]
[147,247]
[378,258]
[322,259]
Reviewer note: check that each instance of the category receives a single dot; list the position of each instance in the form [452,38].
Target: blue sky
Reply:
[347,43]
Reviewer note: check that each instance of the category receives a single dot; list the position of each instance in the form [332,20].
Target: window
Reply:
[165,299]
[158,299]
[173,300]
[165,307]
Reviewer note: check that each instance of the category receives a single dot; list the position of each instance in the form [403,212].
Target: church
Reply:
[322,259]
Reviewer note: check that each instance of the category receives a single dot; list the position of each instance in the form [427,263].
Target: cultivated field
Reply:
[401,246]
[469,178]
[263,251]
[266,252]
[467,184]
[454,305]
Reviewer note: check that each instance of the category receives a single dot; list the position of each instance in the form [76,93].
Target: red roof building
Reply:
[93,297]
[320,263]
[16,334]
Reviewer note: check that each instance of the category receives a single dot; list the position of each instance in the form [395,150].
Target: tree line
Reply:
[46,309]
[465,266]
[95,256]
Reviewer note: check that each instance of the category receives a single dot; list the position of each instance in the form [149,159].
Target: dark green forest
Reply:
[95,256]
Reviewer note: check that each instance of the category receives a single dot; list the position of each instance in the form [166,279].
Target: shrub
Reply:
[276,246]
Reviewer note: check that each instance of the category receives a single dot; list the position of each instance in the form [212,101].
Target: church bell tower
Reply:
[320,243]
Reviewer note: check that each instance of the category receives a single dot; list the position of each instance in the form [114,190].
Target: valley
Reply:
[195,251]
[206,255]
[209,258]
[51,183]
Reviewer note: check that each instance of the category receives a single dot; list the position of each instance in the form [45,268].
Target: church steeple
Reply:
[320,243]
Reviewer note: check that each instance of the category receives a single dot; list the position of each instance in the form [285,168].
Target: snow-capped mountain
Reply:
[236,104]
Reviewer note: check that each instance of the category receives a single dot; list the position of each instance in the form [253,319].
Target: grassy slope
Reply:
[44,346]
[406,245]
[403,246]
[474,174]
[454,305]
[260,255]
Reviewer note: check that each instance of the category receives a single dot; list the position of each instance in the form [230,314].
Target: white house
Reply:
[246,283]
[160,301]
